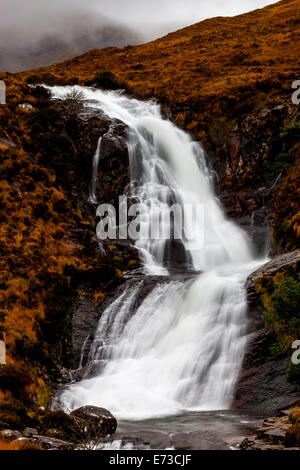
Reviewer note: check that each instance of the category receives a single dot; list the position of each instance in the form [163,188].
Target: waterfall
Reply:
[93,185]
[182,347]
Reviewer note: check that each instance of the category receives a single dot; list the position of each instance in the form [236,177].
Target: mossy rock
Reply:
[292,437]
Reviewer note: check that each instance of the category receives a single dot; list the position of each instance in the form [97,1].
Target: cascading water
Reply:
[183,346]
[93,185]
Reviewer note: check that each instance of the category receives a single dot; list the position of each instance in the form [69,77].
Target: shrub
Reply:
[14,379]
[72,101]
[293,374]
[57,424]
[281,162]
[15,445]
[291,133]
[106,80]
[284,315]
[292,437]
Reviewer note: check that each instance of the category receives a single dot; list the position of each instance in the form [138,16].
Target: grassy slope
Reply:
[215,64]
[209,77]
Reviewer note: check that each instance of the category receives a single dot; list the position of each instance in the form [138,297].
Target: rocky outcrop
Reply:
[100,421]
[250,169]
[82,429]
[277,264]
[275,433]
[34,438]
[262,384]
[84,321]
[5,139]
[113,169]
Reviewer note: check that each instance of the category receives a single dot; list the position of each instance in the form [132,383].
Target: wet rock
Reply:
[5,139]
[29,432]
[27,107]
[114,144]
[272,435]
[10,435]
[84,322]
[100,420]
[128,442]
[276,435]
[272,267]
[48,443]
[113,170]
[176,257]
[235,442]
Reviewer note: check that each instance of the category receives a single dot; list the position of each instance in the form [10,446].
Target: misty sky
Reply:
[30,20]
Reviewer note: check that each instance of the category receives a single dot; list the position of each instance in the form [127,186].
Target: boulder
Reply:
[29,432]
[47,443]
[114,145]
[10,435]
[98,422]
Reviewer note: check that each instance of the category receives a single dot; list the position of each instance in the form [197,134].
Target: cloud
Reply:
[24,23]
[164,11]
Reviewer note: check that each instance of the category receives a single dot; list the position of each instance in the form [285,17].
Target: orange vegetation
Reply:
[221,64]
[6,445]
[208,76]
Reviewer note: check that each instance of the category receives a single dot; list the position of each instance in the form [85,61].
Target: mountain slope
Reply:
[219,57]
[211,79]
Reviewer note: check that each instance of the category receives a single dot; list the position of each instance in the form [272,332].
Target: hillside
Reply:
[225,80]
[205,68]
[210,77]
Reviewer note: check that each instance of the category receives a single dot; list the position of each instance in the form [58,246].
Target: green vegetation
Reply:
[284,315]
[291,133]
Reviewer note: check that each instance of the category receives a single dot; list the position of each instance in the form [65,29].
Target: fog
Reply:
[24,24]
[36,18]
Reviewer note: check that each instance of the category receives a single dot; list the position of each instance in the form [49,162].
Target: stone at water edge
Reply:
[10,434]
[29,432]
[98,418]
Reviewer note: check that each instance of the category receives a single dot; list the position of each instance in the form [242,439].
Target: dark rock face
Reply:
[176,257]
[84,323]
[112,179]
[114,144]
[101,421]
[247,181]
[5,139]
[113,164]
[262,384]
[253,141]
[49,443]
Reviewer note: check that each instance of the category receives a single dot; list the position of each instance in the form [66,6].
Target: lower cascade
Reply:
[180,348]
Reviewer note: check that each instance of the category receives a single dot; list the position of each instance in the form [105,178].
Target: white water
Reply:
[183,347]
[93,185]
